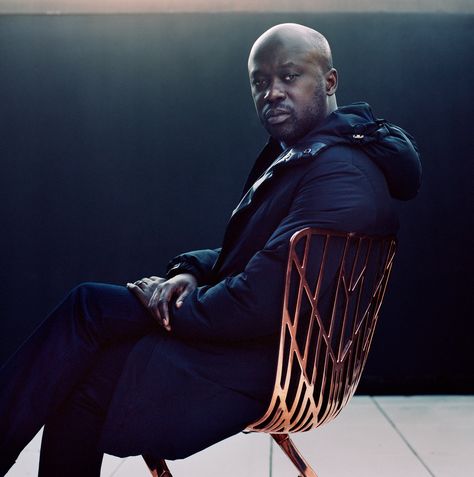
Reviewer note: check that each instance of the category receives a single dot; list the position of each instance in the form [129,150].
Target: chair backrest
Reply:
[335,284]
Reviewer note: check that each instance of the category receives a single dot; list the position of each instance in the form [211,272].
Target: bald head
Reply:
[296,37]
[293,80]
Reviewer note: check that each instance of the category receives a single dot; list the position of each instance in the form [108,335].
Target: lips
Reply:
[276,115]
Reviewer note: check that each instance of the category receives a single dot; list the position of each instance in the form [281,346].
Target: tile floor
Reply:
[382,436]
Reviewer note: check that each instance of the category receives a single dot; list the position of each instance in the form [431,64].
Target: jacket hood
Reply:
[392,149]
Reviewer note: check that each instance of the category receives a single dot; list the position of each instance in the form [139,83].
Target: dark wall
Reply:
[126,139]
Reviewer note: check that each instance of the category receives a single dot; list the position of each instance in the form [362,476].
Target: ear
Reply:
[331,81]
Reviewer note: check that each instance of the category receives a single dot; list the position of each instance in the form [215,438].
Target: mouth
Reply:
[276,116]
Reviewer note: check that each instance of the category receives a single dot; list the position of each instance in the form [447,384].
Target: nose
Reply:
[275,92]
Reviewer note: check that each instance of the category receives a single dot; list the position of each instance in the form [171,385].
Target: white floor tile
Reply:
[130,467]
[238,456]
[358,443]
[26,466]
[439,428]
[241,455]
[110,464]
[28,461]
[361,442]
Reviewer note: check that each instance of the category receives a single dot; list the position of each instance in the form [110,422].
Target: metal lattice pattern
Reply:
[334,288]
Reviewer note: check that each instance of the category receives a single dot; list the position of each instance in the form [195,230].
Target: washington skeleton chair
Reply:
[334,287]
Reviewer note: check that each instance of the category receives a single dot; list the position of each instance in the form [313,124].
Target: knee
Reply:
[85,288]
[85,293]
[86,301]
[106,312]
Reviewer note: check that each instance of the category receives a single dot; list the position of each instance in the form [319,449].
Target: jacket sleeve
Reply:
[249,305]
[198,262]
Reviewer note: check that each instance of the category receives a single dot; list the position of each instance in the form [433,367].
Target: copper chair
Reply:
[334,287]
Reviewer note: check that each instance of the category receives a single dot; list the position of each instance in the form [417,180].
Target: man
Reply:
[172,365]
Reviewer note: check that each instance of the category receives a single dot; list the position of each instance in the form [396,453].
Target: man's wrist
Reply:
[179,269]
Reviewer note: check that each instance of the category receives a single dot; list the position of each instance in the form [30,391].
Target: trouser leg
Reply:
[70,437]
[41,374]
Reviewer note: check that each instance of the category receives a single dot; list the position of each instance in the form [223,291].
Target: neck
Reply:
[332,104]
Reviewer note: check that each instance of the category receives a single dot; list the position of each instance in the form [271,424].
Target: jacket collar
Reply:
[387,145]
[288,157]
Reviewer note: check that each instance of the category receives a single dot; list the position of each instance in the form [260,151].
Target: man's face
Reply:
[289,91]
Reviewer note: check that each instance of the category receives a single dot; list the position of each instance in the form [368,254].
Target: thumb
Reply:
[181,297]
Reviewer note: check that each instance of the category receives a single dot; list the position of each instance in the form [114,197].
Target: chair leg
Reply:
[157,468]
[284,441]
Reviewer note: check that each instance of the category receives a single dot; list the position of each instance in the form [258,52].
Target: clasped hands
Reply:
[157,293]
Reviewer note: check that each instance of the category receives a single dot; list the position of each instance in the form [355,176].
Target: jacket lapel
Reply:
[287,158]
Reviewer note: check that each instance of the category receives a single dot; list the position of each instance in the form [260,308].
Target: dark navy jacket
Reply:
[213,373]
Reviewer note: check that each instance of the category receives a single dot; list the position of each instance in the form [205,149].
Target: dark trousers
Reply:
[64,376]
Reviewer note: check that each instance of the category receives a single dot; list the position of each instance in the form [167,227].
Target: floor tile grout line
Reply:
[404,439]
[270,467]
[118,467]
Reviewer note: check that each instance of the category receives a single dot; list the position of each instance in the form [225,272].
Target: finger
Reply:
[182,296]
[153,306]
[138,292]
[168,292]
[141,283]
[158,305]
[163,305]
[134,288]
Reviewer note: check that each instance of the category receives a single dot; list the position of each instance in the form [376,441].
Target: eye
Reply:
[290,77]
[259,83]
